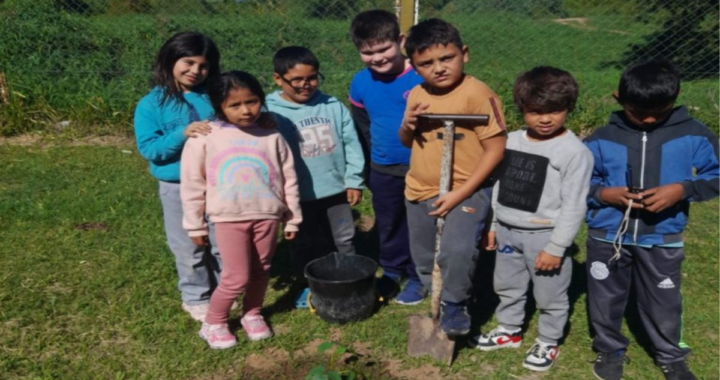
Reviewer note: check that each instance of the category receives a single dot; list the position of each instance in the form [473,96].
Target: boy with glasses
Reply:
[328,157]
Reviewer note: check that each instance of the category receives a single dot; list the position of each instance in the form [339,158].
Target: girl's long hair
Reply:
[183,44]
[219,88]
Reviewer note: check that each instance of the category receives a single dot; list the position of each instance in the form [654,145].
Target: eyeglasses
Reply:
[300,81]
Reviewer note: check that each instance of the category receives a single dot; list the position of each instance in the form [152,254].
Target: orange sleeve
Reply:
[492,107]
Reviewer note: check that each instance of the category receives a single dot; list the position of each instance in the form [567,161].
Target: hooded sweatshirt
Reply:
[543,185]
[327,151]
[680,150]
[235,174]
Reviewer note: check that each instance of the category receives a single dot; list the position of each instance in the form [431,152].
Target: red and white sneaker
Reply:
[255,327]
[541,356]
[218,336]
[497,339]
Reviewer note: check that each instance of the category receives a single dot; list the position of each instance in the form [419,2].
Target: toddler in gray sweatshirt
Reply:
[539,203]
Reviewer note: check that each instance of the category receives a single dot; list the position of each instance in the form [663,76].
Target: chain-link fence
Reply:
[88,61]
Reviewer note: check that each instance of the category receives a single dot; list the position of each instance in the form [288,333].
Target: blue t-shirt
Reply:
[159,129]
[385,100]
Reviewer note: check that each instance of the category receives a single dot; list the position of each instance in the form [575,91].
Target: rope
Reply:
[618,239]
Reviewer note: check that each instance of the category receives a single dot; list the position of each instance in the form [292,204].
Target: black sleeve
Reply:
[362,125]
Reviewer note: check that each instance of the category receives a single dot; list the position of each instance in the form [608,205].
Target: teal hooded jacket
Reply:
[325,145]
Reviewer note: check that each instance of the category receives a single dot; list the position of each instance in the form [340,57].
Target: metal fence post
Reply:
[408,12]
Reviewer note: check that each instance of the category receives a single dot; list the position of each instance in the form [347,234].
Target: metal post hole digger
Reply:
[425,335]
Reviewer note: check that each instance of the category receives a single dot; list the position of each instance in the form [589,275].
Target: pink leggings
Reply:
[246,249]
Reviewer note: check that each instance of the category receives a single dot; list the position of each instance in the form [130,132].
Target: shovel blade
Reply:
[427,338]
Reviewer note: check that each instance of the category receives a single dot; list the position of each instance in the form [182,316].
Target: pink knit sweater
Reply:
[235,174]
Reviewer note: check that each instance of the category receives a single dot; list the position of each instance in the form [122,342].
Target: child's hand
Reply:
[620,196]
[200,241]
[266,121]
[488,241]
[290,235]
[410,120]
[446,203]
[660,198]
[354,196]
[197,128]
[545,262]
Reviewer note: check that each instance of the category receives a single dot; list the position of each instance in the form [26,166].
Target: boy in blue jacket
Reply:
[328,156]
[641,188]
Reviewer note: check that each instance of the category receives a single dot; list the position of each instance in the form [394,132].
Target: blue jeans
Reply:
[198,267]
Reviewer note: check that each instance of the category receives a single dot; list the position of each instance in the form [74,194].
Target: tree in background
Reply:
[690,34]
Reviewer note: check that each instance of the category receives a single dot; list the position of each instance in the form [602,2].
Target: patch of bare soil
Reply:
[96,226]
[45,141]
[335,334]
[582,23]
[528,376]
[280,330]
[366,223]
[309,350]
[275,363]
[425,372]
[272,359]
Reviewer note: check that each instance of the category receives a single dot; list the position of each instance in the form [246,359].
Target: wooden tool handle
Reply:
[445,177]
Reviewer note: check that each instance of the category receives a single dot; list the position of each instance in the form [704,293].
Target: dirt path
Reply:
[52,141]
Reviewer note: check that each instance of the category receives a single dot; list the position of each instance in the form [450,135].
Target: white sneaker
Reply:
[255,327]
[217,336]
[497,339]
[197,312]
[541,356]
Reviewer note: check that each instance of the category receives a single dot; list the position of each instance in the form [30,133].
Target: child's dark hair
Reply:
[649,85]
[183,44]
[430,33]
[545,89]
[219,88]
[374,26]
[287,57]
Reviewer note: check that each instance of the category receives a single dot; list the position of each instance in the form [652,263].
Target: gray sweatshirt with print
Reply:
[543,185]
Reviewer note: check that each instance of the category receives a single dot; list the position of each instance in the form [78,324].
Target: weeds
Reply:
[329,372]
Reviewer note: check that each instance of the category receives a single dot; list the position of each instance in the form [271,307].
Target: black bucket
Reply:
[342,287]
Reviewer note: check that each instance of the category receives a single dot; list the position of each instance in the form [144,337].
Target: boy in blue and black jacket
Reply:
[641,188]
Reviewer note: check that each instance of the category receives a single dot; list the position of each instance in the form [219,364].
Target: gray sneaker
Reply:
[609,365]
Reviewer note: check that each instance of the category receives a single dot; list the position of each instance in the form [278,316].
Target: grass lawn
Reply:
[88,291]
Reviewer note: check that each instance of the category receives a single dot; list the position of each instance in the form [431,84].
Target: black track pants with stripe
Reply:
[656,273]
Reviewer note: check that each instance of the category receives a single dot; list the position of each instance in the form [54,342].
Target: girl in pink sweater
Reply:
[242,176]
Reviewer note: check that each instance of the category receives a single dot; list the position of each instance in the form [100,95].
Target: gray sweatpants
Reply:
[656,273]
[514,269]
[458,246]
[198,268]
[327,227]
